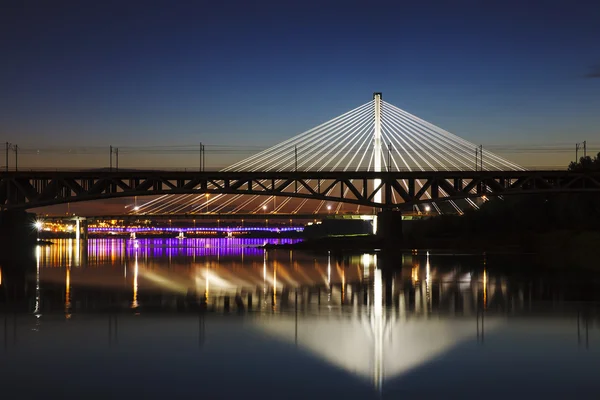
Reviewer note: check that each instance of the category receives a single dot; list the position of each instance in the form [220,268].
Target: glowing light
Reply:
[366,262]
[329,268]
[427,208]
[377,293]
[484,288]
[415,274]
[328,208]
[38,252]
[38,225]
[68,293]
[207,278]
[134,302]
[274,285]
[136,208]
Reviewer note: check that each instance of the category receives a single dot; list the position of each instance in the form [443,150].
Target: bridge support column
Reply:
[81,229]
[389,225]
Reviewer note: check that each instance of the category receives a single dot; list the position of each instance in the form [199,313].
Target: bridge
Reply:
[398,189]
[376,156]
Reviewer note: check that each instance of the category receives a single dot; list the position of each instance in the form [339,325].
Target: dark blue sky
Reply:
[222,72]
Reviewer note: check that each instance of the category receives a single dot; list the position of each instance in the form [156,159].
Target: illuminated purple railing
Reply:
[182,247]
[198,229]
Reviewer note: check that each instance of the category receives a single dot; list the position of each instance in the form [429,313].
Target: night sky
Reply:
[257,72]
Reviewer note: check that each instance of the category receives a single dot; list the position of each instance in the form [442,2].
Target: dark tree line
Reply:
[586,163]
[518,215]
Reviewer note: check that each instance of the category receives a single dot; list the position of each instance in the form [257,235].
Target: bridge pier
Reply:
[389,225]
[81,229]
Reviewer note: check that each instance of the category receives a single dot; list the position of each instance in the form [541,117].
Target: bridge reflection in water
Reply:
[376,316]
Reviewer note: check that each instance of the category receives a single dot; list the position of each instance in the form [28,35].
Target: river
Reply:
[223,318]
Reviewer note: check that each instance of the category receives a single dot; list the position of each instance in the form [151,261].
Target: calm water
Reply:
[220,318]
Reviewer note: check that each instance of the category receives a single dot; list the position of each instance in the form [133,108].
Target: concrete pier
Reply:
[389,225]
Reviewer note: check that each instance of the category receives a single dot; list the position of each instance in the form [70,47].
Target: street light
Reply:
[265,208]
[328,208]
[427,208]
[38,227]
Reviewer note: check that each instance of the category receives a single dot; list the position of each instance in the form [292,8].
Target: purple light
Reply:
[203,229]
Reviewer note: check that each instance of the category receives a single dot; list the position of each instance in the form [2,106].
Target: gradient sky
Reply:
[257,72]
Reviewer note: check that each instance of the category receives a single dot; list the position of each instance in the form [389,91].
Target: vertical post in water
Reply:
[77,229]
[377,145]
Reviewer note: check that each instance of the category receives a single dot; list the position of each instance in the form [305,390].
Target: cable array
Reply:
[346,143]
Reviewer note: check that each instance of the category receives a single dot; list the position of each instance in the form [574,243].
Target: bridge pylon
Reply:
[377,143]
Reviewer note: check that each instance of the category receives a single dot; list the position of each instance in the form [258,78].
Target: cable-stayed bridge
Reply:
[376,156]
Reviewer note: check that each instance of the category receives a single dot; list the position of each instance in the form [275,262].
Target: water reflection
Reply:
[375,321]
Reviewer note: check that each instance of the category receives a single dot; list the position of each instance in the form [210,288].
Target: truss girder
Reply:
[400,189]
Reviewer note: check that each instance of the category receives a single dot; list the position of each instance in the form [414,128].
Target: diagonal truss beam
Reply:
[35,189]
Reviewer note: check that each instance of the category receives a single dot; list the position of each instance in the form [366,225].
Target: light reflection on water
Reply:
[391,324]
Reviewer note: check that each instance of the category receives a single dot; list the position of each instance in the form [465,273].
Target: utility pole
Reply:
[576,153]
[296,158]
[203,158]
[295,168]
[117,156]
[476,158]
[111,151]
[200,157]
[7,147]
[584,148]
[389,157]
[481,157]
[10,146]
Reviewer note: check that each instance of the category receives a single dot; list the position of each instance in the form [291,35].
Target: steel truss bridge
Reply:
[398,190]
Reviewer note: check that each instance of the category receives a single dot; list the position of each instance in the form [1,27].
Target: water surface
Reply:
[222,318]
